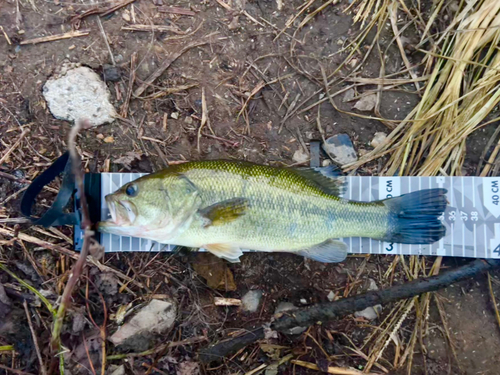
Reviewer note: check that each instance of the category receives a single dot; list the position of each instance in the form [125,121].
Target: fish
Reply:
[226,207]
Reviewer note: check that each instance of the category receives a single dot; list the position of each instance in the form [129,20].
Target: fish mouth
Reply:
[123,213]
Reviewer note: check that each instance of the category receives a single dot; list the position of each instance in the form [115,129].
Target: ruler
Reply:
[472,218]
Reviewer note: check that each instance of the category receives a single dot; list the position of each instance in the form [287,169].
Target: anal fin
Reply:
[225,251]
[330,251]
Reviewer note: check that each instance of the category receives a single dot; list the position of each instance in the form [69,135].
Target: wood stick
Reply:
[159,28]
[176,10]
[303,317]
[166,63]
[51,38]
[35,340]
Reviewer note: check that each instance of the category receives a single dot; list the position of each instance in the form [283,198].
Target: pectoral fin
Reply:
[224,212]
[330,251]
[226,251]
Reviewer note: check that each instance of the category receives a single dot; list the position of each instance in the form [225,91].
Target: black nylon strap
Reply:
[54,215]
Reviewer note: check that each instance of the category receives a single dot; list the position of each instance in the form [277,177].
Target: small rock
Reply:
[369,313]
[188,120]
[325,163]
[284,306]
[349,95]
[79,93]
[153,319]
[372,312]
[340,148]
[174,115]
[300,156]
[251,300]
[296,330]
[303,301]
[109,139]
[78,322]
[116,370]
[107,283]
[379,139]
[366,103]
[188,368]
[126,15]
[111,73]
[331,296]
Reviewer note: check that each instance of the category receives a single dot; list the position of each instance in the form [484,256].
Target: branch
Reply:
[77,170]
[328,311]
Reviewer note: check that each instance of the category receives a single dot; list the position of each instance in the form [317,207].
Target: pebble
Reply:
[138,333]
[251,300]
[174,115]
[284,306]
[366,103]
[111,73]
[340,148]
[331,296]
[300,156]
[379,139]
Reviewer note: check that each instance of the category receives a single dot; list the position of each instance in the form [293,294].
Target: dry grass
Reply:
[462,90]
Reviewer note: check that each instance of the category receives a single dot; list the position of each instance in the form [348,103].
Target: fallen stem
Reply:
[324,312]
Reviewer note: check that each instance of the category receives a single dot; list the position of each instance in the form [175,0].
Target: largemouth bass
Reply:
[227,206]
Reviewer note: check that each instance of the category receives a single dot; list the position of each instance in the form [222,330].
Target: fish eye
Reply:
[132,190]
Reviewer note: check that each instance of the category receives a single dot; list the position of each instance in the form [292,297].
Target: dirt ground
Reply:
[245,63]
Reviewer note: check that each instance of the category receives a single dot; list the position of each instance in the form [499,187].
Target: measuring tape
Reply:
[471,217]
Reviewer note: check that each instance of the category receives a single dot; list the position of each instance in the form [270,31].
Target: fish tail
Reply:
[414,217]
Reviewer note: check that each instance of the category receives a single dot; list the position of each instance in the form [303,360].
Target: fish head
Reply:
[151,206]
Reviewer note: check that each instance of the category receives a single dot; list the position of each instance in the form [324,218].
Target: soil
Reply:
[242,53]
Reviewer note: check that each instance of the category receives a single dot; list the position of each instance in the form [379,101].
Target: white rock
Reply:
[379,139]
[331,296]
[155,318]
[303,301]
[300,156]
[349,95]
[174,115]
[79,93]
[369,313]
[251,300]
[116,370]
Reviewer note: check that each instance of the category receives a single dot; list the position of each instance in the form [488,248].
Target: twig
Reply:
[35,340]
[176,10]
[324,312]
[6,36]
[14,146]
[52,38]
[14,371]
[330,369]
[159,28]
[167,62]
[114,8]
[204,116]
[189,341]
[74,276]
[131,80]
[106,41]
[493,300]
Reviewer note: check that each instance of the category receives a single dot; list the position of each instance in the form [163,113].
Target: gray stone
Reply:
[284,306]
[369,313]
[116,370]
[152,320]
[331,296]
[251,300]
[366,103]
[79,93]
[340,148]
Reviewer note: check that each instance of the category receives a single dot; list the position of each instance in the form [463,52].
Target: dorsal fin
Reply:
[327,179]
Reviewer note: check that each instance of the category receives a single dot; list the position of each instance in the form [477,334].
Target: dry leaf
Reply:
[215,271]
[366,103]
